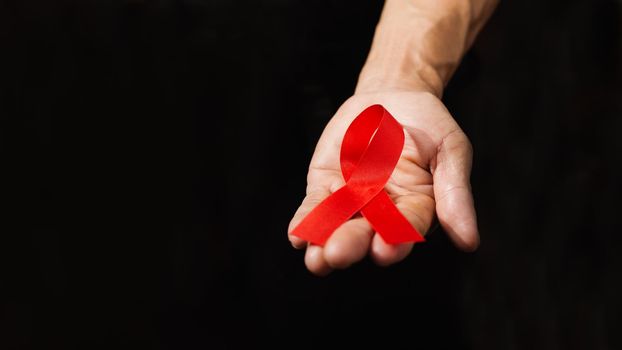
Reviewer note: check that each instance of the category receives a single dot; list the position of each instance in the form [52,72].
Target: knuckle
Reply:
[462,141]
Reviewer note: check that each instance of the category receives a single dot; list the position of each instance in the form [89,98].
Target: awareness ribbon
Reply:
[370,149]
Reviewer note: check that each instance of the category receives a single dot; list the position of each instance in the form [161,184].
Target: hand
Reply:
[431,178]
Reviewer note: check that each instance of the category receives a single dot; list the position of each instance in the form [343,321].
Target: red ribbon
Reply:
[371,147]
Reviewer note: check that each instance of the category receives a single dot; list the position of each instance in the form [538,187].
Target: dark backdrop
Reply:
[153,153]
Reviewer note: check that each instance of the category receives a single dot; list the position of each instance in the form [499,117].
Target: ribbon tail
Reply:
[387,220]
[333,211]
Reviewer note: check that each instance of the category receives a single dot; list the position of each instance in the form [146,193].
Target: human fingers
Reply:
[315,261]
[349,243]
[418,209]
[452,190]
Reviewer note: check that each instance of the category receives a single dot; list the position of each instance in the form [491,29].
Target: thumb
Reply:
[452,191]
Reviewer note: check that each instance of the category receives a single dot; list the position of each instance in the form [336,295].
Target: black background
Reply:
[153,153]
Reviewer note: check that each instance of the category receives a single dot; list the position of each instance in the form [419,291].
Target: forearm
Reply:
[419,43]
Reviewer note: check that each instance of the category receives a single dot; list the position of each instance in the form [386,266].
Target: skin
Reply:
[416,48]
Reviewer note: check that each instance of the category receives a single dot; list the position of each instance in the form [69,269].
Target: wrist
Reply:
[399,61]
[417,45]
[408,76]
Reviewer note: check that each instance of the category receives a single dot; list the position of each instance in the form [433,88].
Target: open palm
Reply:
[431,177]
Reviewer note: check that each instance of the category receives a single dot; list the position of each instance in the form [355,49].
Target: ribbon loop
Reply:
[370,150]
